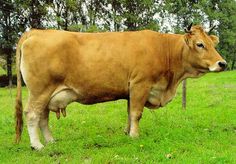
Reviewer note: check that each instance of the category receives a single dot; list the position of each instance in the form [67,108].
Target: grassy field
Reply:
[204,133]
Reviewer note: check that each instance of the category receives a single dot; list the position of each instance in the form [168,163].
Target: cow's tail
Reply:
[18,106]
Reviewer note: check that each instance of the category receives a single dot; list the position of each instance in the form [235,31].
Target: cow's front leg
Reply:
[127,128]
[43,124]
[138,97]
[135,116]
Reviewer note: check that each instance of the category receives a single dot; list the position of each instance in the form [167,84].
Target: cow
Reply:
[142,67]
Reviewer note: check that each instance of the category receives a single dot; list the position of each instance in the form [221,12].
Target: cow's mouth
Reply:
[215,69]
[203,70]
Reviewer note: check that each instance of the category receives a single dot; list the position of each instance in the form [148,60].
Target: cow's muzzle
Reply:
[222,64]
[218,66]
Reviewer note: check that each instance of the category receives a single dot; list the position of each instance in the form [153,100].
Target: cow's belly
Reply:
[64,95]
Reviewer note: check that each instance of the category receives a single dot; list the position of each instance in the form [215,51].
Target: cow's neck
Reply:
[173,72]
[174,57]
[178,67]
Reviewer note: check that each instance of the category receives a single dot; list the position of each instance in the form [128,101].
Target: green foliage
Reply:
[82,28]
[76,27]
[227,30]
[186,12]
[151,26]
[93,28]
[2,71]
[140,14]
[204,133]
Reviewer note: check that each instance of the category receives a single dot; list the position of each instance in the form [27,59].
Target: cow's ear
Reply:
[214,39]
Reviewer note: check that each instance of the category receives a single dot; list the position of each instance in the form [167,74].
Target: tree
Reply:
[66,12]
[8,33]
[227,30]
[33,12]
[136,19]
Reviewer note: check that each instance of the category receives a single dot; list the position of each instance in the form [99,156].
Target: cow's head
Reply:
[201,54]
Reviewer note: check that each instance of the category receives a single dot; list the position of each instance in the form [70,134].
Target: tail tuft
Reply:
[19,120]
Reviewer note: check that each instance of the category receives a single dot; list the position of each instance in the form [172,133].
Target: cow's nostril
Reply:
[222,64]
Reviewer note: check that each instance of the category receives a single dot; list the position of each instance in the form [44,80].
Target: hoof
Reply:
[51,141]
[127,130]
[134,135]
[37,147]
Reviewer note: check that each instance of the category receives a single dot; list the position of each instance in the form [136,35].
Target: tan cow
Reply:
[143,67]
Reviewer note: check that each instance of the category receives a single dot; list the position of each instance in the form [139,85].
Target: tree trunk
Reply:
[9,67]
[7,50]
[184,94]
[131,24]
[66,18]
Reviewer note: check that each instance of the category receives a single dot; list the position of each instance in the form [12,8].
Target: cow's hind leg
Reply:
[33,112]
[43,124]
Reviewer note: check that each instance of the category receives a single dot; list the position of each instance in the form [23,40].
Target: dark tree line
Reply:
[116,15]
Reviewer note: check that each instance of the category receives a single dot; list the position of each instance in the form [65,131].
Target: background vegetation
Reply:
[204,133]
[116,15]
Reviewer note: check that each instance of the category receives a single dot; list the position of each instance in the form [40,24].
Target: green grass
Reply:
[204,133]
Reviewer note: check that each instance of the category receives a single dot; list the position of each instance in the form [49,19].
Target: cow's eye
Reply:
[200,45]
